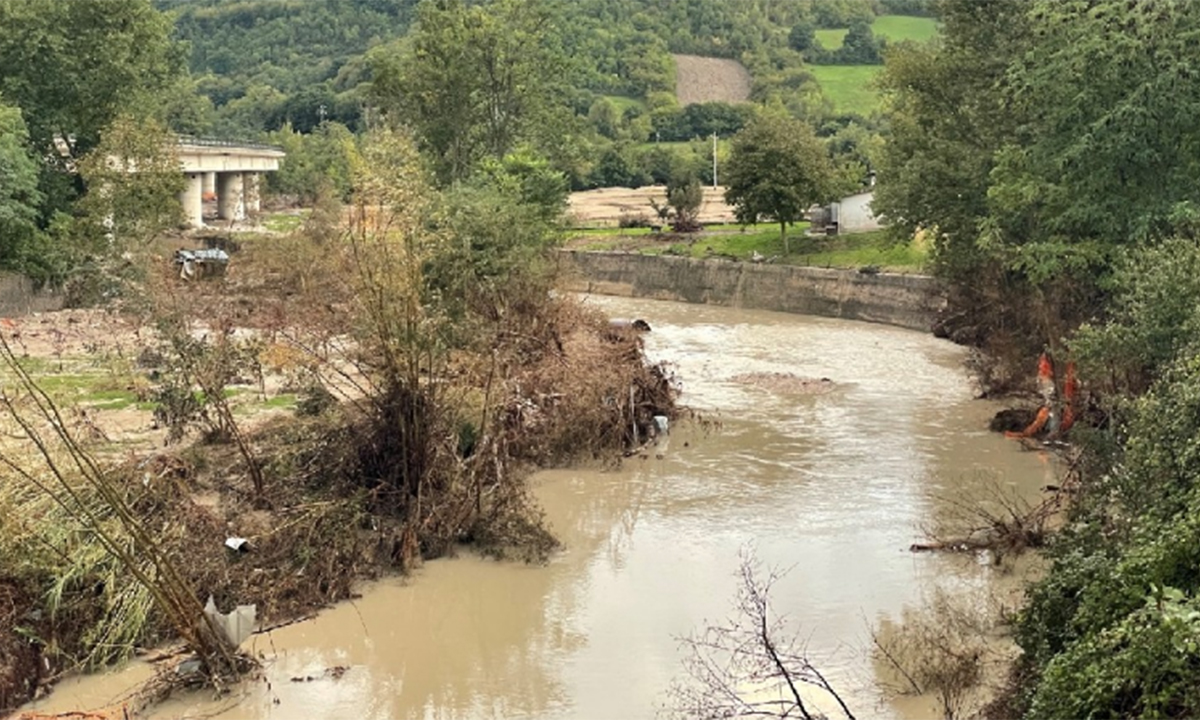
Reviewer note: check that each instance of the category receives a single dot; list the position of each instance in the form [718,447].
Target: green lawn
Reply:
[895,28]
[624,103]
[848,87]
[844,251]
[831,39]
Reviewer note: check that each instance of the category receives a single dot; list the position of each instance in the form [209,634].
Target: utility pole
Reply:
[714,160]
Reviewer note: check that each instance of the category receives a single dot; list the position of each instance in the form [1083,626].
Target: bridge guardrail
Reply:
[222,142]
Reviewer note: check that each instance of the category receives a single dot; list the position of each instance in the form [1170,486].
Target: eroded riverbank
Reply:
[834,485]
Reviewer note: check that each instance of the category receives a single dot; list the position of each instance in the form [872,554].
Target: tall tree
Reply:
[133,181]
[19,195]
[74,65]
[777,169]
[948,118]
[1103,158]
[473,80]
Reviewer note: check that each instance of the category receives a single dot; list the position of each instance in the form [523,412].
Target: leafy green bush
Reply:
[1113,630]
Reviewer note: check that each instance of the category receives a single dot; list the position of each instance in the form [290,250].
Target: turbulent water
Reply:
[833,486]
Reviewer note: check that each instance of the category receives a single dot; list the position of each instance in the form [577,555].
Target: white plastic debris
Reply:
[237,544]
[662,424]
[235,626]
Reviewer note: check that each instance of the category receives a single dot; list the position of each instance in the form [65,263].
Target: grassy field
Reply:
[831,39]
[895,28]
[848,87]
[285,222]
[731,241]
[898,28]
[624,103]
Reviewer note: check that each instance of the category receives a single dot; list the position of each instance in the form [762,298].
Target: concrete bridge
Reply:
[230,171]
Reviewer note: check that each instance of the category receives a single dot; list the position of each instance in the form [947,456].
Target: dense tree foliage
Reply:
[74,66]
[19,195]
[1111,631]
[473,80]
[1049,149]
[306,52]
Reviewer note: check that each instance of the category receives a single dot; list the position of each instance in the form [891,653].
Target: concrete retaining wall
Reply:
[19,296]
[909,301]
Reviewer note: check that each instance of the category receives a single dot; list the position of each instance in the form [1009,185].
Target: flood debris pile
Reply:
[433,369]
[993,520]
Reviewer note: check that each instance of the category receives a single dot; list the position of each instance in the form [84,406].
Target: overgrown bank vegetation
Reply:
[1063,218]
[433,369]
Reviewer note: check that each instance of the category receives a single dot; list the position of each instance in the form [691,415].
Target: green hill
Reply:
[848,87]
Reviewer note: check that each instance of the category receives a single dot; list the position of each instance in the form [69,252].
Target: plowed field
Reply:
[704,79]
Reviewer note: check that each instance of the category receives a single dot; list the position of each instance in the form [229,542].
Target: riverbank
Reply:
[296,468]
[908,301]
[650,549]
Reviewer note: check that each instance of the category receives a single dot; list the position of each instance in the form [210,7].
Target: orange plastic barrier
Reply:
[1039,422]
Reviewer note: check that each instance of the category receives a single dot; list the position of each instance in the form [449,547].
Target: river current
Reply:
[832,488]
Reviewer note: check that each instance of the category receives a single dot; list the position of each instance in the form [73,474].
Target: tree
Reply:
[133,181]
[944,104]
[1103,160]
[803,36]
[860,46]
[316,162]
[750,666]
[74,65]
[777,169]
[19,195]
[473,80]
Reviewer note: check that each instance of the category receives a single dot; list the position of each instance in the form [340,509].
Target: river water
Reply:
[831,487]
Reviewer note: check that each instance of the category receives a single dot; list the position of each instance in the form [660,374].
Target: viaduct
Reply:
[229,170]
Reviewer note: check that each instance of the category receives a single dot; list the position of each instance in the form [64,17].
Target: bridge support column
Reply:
[250,191]
[231,205]
[192,199]
[210,185]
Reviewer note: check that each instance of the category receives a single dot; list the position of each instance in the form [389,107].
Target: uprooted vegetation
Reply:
[994,520]
[432,369]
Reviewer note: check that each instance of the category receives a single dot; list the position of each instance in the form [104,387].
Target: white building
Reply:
[853,214]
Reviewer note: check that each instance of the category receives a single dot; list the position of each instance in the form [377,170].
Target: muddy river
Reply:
[834,486]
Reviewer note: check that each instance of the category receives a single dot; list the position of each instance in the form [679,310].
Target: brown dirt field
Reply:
[606,206]
[703,79]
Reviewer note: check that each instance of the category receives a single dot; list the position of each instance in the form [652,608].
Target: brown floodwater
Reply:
[833,486]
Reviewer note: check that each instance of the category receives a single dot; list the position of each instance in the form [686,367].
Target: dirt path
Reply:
[703,79]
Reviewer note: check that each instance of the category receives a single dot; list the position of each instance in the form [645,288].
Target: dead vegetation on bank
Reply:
[995,520]
[426,386]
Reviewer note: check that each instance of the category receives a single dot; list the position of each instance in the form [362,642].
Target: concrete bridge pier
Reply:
[192,199]
[231,205]
[230,170]
[250,192]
